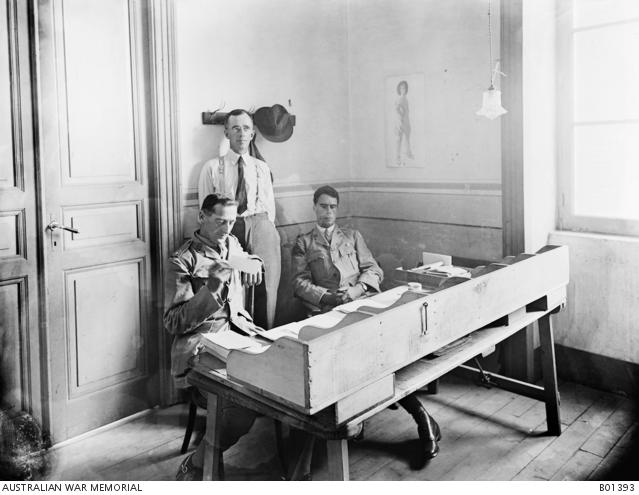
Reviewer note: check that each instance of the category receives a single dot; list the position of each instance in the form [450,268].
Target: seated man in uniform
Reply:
[332,266]
[204,294]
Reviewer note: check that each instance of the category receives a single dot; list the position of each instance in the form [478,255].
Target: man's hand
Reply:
[331,299]
[353,293]
[250,279]
[219,274]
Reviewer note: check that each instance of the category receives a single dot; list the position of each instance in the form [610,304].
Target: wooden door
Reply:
[20,384]
[94,129]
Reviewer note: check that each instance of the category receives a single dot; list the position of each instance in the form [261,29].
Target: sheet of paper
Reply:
[325,320]
[245,264]
[231,340]
[290,330]
[382,300]
[452,271]
[428,258]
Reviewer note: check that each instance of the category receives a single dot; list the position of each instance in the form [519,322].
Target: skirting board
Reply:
[596,371]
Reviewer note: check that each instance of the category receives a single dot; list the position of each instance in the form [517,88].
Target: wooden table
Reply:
[216,386]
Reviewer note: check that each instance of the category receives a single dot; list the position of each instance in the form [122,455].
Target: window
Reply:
[598,116]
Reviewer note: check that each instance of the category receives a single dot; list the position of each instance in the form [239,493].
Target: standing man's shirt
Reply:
[220,176]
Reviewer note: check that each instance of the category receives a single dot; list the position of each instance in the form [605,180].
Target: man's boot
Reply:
[427,427]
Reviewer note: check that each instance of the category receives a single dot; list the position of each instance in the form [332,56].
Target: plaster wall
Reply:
[600,316]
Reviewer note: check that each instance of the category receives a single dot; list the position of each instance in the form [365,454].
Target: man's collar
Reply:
[210,249]
[328,230]
[234,157]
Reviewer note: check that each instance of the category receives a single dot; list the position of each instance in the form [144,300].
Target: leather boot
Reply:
[427,427]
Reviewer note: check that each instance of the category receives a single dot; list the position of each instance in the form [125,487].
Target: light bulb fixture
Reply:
[491,99]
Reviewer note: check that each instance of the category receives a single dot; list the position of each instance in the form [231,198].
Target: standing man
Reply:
[333,265]
[242,177]
[204,295]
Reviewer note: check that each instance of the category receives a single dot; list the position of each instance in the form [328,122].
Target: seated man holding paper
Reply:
[332,266]
[205,294]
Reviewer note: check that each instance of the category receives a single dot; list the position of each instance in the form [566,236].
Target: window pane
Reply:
[607,171]
[593,12]
[606,73]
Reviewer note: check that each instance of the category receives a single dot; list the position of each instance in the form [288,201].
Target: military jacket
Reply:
[191,309]
[319,266]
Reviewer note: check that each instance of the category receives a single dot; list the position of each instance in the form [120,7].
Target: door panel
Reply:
[103,225]
[6,110]
[19,326]
[12,333]
[103,308]
[97,60]
[93,66]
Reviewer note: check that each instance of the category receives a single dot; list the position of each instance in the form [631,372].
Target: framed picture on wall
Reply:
[404,120]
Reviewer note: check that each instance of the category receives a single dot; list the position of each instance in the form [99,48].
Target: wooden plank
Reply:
[153,465]
[212,451]
[332,370]
[578,468]
[419,373]
[337,451]
[451,390]
[564,447]
[522,453]
[620,461]
[282,370]
[500,433]
[303,463]
[83,458]
[458,430]
[549,372]
[320,424]
[364,399]
[615,426]
[575,400]
[478,442]
[392,433]
[503,382]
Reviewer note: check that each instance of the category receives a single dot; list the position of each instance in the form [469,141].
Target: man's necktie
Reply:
[240,192]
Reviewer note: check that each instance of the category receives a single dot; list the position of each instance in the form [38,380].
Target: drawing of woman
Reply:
[402,127]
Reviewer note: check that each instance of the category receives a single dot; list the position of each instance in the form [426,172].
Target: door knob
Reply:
[55,225]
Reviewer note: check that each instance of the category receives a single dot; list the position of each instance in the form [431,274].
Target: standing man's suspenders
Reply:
[258,235]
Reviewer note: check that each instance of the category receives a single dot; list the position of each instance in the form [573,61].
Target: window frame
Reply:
[567,219]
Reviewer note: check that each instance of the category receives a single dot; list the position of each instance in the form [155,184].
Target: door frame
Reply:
[166,198]
[164,193]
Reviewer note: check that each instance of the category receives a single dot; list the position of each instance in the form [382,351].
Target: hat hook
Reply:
[219,107]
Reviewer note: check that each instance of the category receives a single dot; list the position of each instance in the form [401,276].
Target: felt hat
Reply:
[274,123]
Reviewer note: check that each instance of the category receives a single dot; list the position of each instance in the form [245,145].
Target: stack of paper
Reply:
[220,344]
[450,271]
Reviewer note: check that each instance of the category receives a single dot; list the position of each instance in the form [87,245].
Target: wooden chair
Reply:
[195,400]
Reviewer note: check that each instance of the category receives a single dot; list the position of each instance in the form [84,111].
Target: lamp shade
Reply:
[491,104]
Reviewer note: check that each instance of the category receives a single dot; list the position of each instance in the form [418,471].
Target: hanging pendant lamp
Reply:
[491,98]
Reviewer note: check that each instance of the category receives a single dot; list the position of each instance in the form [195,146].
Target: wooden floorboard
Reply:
[488,434]
[521,453]
[621,461]
[578,468]
[462,418]
[500,433]
[562,448]
[84,459]
[616,425]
